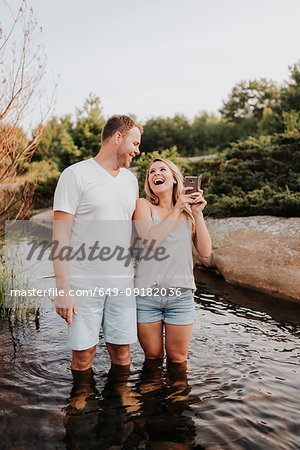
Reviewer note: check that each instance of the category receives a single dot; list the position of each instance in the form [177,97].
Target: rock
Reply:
[260,252]
[44,219]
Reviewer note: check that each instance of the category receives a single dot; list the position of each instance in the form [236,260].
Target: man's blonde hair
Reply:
[118,123]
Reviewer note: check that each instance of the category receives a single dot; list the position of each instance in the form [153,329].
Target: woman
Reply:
[173,219]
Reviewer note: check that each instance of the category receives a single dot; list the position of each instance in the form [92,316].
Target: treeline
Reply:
[255,148]
[257,176]
[253,108]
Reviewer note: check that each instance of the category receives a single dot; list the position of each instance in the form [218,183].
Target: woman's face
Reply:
[160,177]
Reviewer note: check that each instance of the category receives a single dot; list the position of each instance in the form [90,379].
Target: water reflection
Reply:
[215,294]
[164,417]
[240,388]
[130,416]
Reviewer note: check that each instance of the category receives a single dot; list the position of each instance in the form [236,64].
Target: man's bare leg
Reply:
[119,354]
[83,359]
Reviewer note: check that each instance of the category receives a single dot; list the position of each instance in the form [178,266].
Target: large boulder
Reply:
[261,252]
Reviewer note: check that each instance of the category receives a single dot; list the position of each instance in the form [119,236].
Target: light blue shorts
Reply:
[171,309]
[115,314]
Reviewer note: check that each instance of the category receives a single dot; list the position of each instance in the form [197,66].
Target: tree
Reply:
[255,176]
[22,65]
[66,143]
[210,133]
[87,131]
[290,94]
[162,133]
[270,123]
[248,99]
[284,115]
[57,145]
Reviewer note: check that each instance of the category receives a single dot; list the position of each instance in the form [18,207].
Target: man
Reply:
[88,194]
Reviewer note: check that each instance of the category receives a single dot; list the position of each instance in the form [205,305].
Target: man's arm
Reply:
[62,226]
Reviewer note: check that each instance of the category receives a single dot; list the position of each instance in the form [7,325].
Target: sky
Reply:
[162,57]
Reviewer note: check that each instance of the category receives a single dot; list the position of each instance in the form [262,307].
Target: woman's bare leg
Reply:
[151,339]
[177,341]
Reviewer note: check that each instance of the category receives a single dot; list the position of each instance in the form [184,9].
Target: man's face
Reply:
[129,147]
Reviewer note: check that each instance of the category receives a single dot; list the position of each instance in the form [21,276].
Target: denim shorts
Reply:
[115,315]
[171,309]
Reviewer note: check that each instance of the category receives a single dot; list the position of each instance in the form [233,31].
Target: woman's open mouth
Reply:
[159,181]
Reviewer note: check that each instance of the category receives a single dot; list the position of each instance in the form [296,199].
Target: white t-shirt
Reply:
[103,206]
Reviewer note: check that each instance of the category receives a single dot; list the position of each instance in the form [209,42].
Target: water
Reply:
[240,389]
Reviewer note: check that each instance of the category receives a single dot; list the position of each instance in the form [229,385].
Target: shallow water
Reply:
[240,390]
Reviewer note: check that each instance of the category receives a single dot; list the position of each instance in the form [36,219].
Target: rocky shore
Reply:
[259,252]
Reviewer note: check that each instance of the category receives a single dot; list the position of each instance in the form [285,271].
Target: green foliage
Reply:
[256,139]
[260,107]
[263,201]
[66,143]
[146,159]
[161,133]
[209,133]
[86,133]
[249,99]
[270,123]
[204,135]
[290,94]
[44,176]
[254,177]
[254,108]
[57,144]
[291,121]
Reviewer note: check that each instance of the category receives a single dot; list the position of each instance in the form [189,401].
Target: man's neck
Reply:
[108,162]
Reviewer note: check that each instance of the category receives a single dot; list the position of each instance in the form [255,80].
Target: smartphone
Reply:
[194,182]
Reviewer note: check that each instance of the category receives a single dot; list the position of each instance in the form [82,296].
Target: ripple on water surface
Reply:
[240,390]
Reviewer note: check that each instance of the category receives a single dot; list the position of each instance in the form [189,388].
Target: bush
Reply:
[44,176]
[254,177]
[263,201]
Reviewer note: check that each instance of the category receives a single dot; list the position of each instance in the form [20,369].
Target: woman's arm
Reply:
[144,223]
[202,238]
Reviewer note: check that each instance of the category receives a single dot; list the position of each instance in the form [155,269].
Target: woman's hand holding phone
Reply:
[184,197]
[198,203]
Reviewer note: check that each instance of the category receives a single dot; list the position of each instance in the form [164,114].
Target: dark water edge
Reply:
[282,310]
[240,389]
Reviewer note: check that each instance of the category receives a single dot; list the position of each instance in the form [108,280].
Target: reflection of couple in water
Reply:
[130,414]
[102,189]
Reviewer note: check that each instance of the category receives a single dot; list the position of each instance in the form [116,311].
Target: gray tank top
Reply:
[177,269]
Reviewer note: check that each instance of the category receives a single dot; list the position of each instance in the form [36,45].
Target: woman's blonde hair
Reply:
[177,188]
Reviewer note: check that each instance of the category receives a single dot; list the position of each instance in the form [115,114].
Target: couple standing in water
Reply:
[102,190]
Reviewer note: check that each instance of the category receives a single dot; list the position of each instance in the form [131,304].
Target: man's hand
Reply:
[65,304]
[66,307]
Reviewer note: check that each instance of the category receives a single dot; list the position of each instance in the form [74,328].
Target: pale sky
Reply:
[158,58]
